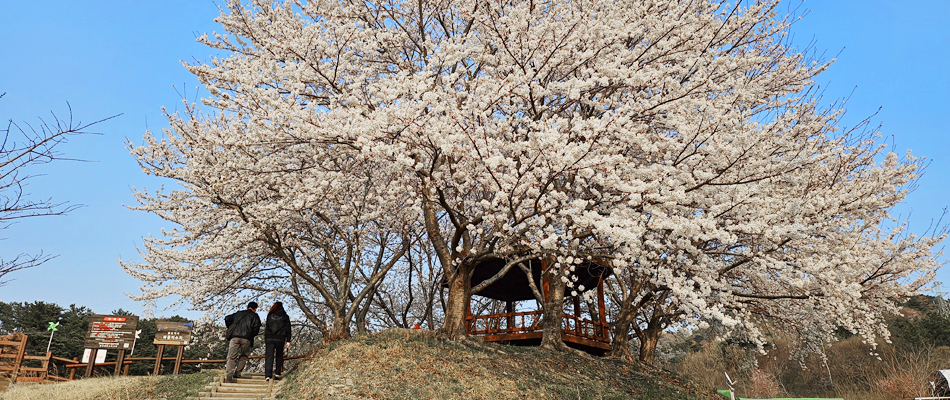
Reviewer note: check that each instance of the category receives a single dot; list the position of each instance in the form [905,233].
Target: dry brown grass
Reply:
[851,371]
[122,388]
[165,387]
[764,384]
[407,364]
[900,373]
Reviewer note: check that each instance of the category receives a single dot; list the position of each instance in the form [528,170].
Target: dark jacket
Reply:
[277,328]
[242,324]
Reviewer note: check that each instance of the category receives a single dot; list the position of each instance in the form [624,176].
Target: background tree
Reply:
[412,293]
[22,147]
[844,368]
[33,319]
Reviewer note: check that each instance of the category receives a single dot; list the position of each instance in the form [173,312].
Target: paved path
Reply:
[248,387]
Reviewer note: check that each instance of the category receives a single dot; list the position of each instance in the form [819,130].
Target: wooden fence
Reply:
[73,364]
[12,357]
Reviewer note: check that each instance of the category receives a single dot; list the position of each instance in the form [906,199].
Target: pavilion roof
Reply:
[514,285]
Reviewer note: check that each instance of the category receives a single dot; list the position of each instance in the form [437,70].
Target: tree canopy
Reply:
[681,143]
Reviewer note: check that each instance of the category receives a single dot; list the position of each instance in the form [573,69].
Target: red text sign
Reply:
[111,332]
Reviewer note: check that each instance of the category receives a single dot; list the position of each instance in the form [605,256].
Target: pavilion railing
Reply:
[530,321]
[491,324]
[585,328]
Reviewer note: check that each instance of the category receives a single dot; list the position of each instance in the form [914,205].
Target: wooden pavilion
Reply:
[509,326]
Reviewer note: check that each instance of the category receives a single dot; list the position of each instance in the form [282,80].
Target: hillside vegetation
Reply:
[166,387]
[408,364]
[848,368]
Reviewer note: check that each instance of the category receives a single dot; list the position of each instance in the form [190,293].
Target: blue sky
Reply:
[112,57]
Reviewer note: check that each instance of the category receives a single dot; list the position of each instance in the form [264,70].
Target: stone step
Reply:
[247,387]
[237,392]
[242,386]
[251,381]
[253,376]
[244,396]
[234,396]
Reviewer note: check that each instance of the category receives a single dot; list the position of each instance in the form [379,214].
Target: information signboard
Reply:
[111,332]
[173,333]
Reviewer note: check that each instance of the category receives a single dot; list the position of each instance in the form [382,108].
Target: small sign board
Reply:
[173,333]
[111,332]
[100,356]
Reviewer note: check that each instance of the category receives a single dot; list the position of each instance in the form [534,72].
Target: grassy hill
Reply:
[413,364]
[407,364]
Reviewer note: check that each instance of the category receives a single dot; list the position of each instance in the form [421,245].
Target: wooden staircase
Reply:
[248,387]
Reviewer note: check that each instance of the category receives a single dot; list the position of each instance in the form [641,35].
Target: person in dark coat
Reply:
[276,337]
[242,326]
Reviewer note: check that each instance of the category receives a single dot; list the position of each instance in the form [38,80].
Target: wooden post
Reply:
[577,314]
[510,309]
[469,322]
[601,309]
[49,356]
[181,353]
[492,324]
[72,371]
[125,371]
[118,363]
[18,361]
[92,361]
[158,359]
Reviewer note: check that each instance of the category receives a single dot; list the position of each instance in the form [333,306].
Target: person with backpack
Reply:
[242,326]
[276,337]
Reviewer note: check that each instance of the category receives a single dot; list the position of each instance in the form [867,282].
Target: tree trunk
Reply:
[620,347]
[648,341]
[456,306]
[361,316]
[553,311]
[626,317]
[341,326]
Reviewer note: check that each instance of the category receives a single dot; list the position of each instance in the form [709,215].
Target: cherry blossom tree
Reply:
[681,141]
[257,218]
